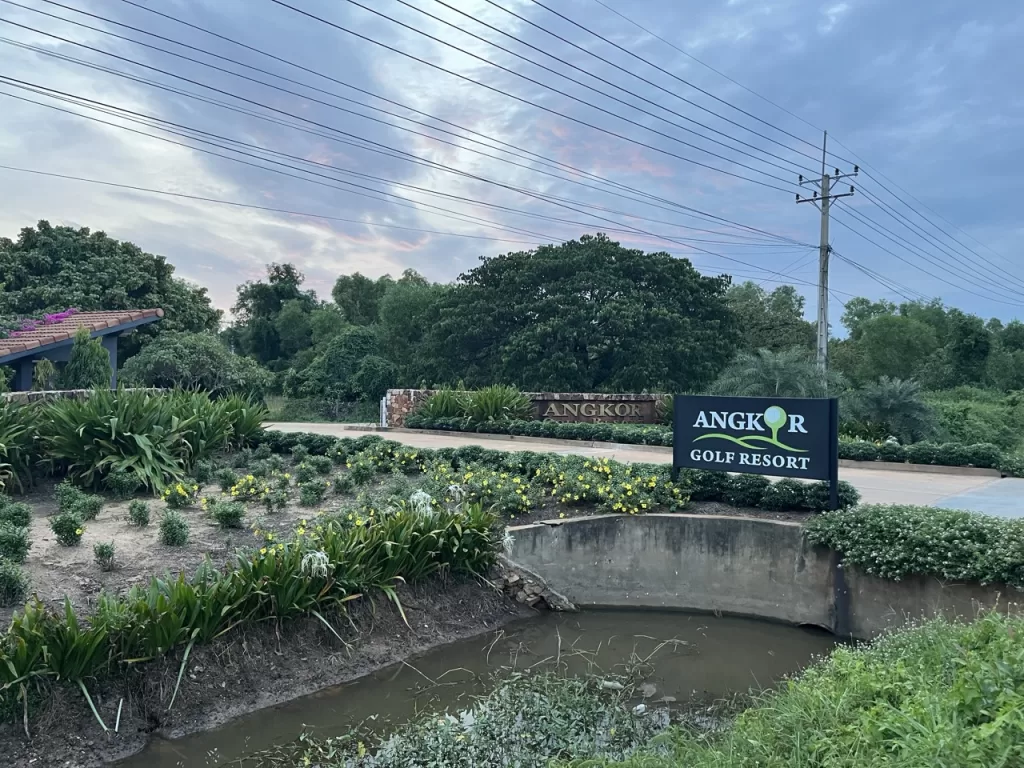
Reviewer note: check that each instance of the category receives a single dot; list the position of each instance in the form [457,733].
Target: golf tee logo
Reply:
[774,418]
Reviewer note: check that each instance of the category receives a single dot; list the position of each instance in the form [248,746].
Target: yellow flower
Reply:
[78,531]
[263,550]
[561,515]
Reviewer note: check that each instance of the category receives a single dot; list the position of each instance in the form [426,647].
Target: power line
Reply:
[569,64]
[103,106]
[1000,275]
[921,269]
[269,209]
[305,96]
[704,64]
[675,77]
[885,282]
[903,242]
[865,167]
[520,98]
[633,230]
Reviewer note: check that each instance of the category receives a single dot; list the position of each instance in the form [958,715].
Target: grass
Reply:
[944,695]
[312,410]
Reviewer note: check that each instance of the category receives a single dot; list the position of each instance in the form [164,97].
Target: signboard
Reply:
[787,437]
[602,408]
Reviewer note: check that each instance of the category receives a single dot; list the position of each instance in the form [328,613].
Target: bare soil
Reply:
[248,670]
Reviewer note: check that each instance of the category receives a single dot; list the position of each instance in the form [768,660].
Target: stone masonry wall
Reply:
[558,406]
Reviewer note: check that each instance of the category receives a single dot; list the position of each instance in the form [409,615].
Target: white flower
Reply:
[315,564]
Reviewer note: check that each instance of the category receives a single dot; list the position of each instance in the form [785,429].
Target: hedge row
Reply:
[700,485]
[984,455]
[894,541]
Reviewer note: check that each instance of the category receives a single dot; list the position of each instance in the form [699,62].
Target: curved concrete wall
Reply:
[735,565]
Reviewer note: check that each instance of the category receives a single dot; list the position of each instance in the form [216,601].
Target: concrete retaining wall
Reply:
[733,565]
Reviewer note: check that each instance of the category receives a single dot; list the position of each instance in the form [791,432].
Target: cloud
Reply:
[929,101]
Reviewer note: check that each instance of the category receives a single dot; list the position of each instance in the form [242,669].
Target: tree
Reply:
[967,349]
[894,346]
[259,331]
[50,269]
[586,315]
[773,320]
[374,377]
[1012,336]
[358,297]
[895,407]
[790,373]
[406,314]
[88,365]
[331,374]
[195,360]
[294,327]
[859,311]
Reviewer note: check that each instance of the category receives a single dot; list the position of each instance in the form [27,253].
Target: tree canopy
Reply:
[586,315]
[50,269]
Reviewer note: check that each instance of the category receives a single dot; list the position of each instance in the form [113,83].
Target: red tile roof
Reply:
[65,329]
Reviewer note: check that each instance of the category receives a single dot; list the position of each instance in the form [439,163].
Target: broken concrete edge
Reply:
[528,588]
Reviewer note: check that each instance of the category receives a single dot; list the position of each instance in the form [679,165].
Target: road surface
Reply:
[1003,497]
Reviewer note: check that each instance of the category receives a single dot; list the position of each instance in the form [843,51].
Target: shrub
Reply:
[104,554]
[203,471]
[88,364]
[784,495]
[344,484]
[174,529]
[226,479]
[138,513]
[895,541]
[181,495]
[275,501]
[227,514]
[300,453]
[817,496]
[19,425]
[313,492]
[262,452]
[87,506]
[68,528]
[14,543]
[444,404]
[746,490]
[67,495]
[15,513]
[322,465]
[706,485]
[13,584]
[498,403]
[304,472]
[149,434]
[183,359]
[122,483]
[340,451]
[362,471]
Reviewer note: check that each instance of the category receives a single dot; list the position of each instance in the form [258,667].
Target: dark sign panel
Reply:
[789,437]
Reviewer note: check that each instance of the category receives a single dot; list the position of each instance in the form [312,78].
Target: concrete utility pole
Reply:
[825,196]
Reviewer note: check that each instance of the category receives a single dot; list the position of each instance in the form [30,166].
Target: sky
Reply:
[383,135]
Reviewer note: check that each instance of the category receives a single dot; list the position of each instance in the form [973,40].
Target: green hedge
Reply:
[894,541]
[984,455]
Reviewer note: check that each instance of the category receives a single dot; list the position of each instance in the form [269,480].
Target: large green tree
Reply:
[273,317]
[49,269]
[586,315]
[770,320]
[358,297]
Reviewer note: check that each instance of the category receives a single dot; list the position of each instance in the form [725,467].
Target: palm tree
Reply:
[897,406]
[789,373]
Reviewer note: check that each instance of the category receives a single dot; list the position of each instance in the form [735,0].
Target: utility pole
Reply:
[822,200]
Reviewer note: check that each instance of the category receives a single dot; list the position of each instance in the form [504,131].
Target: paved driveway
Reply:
[1002,497]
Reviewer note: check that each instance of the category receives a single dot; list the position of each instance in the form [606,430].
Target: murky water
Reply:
[685,655]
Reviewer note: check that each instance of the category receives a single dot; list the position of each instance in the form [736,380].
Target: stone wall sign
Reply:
[595,408]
